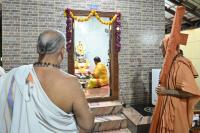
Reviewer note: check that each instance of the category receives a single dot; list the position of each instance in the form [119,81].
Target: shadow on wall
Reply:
[141,93]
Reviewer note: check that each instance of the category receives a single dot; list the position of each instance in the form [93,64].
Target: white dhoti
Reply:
[25,107]
[2,71]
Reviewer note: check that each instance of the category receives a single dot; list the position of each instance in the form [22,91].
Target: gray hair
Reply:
[50,41]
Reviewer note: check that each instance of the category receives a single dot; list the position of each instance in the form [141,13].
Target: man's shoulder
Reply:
[67,75]
[20,69]
[23,68]
[101,65]
[68,82]
[183,60]
[68,79]
[185,63]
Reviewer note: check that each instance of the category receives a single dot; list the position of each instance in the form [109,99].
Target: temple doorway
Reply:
[92,57]
[91,40]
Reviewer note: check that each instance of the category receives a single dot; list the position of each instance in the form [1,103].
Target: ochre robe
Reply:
[100,77]
[172,114]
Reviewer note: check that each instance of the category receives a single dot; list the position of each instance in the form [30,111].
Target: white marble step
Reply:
[110,122]
[106,108]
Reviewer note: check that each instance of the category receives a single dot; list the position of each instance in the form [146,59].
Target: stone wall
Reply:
[142,30]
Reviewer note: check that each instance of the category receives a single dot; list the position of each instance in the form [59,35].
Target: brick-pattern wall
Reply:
[142,31]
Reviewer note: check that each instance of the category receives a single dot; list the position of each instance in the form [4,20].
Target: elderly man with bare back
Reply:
[41,98]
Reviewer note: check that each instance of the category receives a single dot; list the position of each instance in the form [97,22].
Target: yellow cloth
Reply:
[100,77]
[82,68]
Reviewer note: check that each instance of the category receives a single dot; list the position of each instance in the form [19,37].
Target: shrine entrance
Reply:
[92,53]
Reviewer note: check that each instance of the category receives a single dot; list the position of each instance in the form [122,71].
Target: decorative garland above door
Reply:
[116,20]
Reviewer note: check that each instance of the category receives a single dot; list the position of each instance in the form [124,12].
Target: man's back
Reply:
[33,103]
[58,86]
[64,91]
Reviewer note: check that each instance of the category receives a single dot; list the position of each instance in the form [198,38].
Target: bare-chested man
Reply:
[41,98]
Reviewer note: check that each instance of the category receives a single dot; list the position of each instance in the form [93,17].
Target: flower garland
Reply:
[93,13]
[118,33]
[70,20]
[69,29]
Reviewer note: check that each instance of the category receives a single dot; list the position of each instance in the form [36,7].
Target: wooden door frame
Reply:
[114,73]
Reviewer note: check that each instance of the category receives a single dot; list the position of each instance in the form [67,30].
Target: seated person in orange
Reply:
[99,77]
